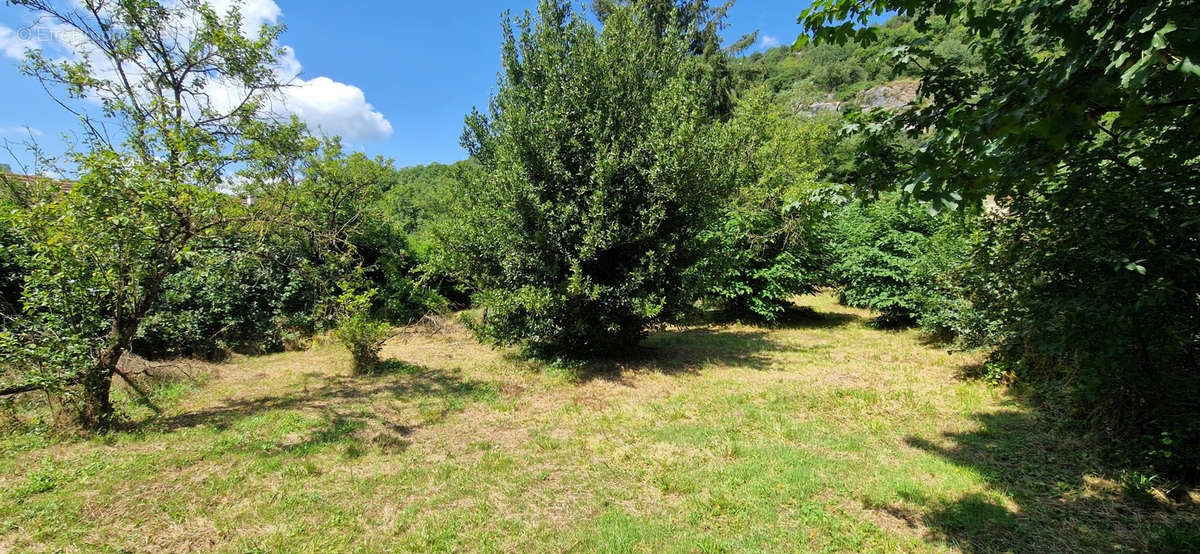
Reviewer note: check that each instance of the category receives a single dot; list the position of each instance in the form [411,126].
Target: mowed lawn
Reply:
[825,434]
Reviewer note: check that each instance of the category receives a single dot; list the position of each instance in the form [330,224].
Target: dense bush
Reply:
[1084,123]
[220,302]
[769,244]
[263,294]
[877,249]
[12,275]
[1093,290]
[941,305]
[260,295]
[15,196]
[578,231]
[906,263]
[238,295]
[406,294]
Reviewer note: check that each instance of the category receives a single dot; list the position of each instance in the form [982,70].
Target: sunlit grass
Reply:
[825,434]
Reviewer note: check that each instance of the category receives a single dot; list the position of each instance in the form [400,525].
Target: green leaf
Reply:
[1160,38]
[1136,74]
[1188,67]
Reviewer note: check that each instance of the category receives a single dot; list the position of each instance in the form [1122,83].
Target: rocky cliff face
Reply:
[893,95]
[889,96]
[809,110]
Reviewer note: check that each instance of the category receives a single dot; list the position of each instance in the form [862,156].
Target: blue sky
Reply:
[395,78]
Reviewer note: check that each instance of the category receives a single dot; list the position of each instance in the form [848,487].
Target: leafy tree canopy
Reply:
[578,228]
[1061,85]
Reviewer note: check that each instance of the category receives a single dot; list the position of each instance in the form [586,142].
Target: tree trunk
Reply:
[97,410]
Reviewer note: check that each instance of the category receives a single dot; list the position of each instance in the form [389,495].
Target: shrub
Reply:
[12,275]
[579,228]
[877,248]
[1092,289]
[769,243]
[900,260]
[218,302]
[14,195]
[359,332]
[404,298]
[235,294]
[942,308]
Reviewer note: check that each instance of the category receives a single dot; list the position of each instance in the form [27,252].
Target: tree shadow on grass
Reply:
[794,317]
[804,317]
[685,351]
[706,342]
[1063,503]
[341,401]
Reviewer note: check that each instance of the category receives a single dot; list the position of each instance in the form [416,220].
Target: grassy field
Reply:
[823,435]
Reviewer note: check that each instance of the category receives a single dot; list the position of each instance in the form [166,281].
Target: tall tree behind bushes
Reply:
[422,196]
[1083,121]
[421,201]
[594,182]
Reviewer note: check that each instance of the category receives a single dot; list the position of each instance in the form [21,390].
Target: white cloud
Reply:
[768,41]
[334,108]
[255,13]
[13,44]
[20,131]
[327,106]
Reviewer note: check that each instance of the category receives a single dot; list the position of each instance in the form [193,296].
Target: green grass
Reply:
[823,435]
